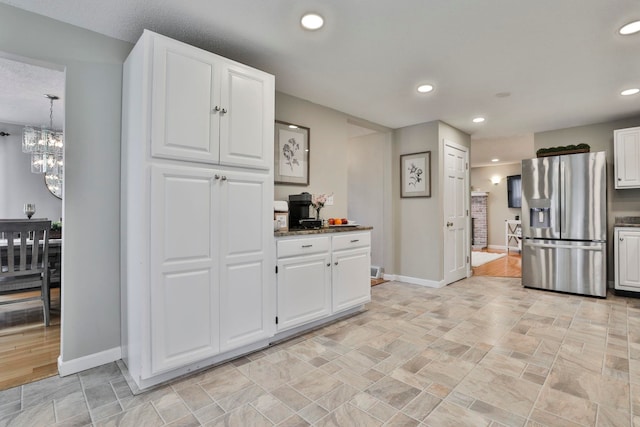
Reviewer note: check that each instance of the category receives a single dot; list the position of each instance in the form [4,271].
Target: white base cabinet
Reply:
[321,276]
[626,147]
[198,284]
[627,259]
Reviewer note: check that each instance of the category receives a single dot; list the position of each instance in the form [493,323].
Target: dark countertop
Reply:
[627,221]
[323,230]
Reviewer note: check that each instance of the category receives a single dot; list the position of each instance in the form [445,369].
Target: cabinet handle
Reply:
[355,240]
[224,178]
[215,109]
[223,111]
[307,246]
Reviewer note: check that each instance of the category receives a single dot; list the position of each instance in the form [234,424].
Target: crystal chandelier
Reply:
[46,147]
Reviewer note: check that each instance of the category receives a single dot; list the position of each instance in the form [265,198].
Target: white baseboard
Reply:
[497,247]
[87,362]
[415,281]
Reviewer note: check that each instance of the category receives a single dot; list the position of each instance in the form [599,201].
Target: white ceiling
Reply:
[22,94]
[562,62]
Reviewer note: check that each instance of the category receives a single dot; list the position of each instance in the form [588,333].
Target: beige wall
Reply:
[497,208]
[600,137]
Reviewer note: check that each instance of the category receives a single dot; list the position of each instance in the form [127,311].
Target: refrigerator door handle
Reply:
[563,204]
[554,246]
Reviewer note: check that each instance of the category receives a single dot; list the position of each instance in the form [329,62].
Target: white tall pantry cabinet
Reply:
[197,195]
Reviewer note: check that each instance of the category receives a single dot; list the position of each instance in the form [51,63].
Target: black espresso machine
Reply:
[299,212]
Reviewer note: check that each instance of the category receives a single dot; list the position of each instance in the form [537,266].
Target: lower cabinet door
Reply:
[351,278]
[627,247]
[304,289]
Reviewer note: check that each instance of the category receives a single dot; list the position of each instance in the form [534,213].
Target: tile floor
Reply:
[480,352]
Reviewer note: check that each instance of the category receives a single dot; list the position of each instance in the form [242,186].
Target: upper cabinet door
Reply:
[246,118]
[184,96]
[626,145]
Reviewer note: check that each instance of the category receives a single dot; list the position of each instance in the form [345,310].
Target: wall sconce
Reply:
[495,180]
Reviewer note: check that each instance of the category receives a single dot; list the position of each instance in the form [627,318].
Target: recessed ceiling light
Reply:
[478,120]
[293,127]
[495,160]
[630,28]
[425,88]
[628,92]
[312,21]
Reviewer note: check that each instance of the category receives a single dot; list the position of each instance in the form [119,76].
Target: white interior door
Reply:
[456,212]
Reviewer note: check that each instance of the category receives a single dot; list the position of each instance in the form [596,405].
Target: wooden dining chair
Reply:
[24,260]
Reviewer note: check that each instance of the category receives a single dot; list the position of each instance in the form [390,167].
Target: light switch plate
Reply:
[329,201]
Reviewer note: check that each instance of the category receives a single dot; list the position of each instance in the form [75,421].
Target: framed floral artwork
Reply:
[415,174]
[291,157]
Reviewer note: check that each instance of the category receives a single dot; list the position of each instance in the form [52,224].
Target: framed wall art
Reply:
[292,153]
[415,174]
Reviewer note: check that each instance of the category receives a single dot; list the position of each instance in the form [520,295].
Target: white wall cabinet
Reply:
[626,146]
[208,109]
[321,276]
[627,259]
[197,192]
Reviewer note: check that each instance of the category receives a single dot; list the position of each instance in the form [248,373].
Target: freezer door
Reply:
[583,184]
[541,197]
[576,267]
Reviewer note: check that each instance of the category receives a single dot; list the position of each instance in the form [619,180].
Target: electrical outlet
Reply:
[329,201]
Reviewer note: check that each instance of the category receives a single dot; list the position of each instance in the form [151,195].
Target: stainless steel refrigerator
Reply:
[564,223]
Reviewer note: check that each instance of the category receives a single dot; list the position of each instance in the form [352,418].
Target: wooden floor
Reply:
[28,350]
[509,266]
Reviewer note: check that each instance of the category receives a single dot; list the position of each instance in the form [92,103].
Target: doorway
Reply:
[28,350]
[369,189]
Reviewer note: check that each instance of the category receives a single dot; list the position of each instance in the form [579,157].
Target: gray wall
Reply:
[600,137]
[328,151]
[18,185]
[497,207]
[91,206]
[418,228]
[368,174]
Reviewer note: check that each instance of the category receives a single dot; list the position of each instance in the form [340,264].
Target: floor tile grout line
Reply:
[628,363]
[555,358]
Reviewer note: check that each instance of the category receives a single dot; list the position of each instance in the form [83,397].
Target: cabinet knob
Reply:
[215,109]
[224,178]
[619,179]
[622,239]
[336,263]
[328,264]
[216,176]
[223,111]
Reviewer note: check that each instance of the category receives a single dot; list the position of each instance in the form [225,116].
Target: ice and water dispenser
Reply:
[540,217]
